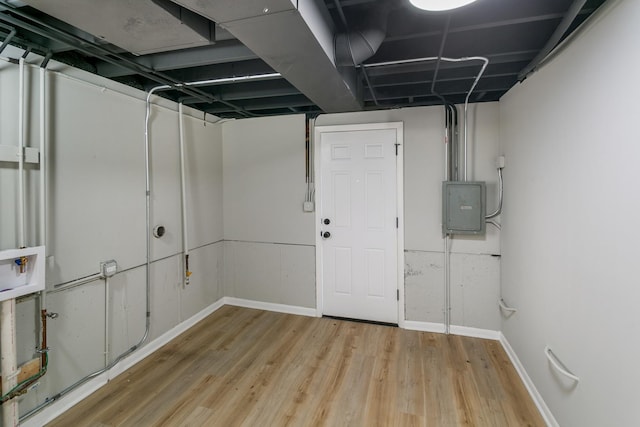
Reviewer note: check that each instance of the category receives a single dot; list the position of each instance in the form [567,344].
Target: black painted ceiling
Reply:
[512,34]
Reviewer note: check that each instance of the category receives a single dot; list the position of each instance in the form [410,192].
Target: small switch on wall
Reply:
[307,206]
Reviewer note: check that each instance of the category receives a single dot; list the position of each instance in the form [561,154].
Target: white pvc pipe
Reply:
[183,185]
[8,352]
[43,157]
[43,173]
[8,363]
[21,148]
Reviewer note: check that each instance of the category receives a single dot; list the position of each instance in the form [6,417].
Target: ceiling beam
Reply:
[442,80]
[221,52]
[561,29]
[272,89]
[258,105]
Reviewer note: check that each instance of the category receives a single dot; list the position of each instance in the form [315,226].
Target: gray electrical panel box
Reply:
[463,207]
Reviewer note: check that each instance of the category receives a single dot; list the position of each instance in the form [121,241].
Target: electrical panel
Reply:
[463,207]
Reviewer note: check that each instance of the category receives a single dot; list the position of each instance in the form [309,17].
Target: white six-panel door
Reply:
[358,220]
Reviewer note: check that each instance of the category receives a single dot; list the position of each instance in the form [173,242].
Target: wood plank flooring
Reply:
[243,367]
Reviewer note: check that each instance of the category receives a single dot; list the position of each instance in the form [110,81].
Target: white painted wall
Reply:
[269,253]
[97,212]
[475,271]
[264,181]
[570,247]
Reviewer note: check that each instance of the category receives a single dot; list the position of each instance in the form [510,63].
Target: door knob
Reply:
[327,221]
[326,235]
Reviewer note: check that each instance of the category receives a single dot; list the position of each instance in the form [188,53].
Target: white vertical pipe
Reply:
[183,185]
[43,172]
[43,157]
[21,147]
[8,352]
[8,360]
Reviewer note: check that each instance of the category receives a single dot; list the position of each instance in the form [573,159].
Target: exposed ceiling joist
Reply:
[296,37]
[219,53]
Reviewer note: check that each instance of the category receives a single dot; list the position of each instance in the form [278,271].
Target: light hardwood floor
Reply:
[243,367]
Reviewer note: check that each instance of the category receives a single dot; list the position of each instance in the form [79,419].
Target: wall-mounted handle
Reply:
[556,363]
[505,307]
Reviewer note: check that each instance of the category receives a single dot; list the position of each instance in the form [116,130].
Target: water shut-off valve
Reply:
[22,263]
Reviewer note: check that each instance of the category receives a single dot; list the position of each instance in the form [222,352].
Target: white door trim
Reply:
[399,127]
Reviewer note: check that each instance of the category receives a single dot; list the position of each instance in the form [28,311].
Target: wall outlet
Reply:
[500,162]
[307,206]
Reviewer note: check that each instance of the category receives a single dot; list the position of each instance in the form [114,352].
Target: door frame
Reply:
[317,173]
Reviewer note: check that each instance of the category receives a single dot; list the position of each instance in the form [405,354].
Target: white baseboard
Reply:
[414,325]
[464,331]
[65,403]
[531,388]
[269,306]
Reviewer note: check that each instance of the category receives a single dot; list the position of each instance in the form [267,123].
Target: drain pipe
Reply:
[8,349]
[183,185]
[43,168]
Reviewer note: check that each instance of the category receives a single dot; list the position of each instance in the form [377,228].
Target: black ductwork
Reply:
[356,46]
[197,23]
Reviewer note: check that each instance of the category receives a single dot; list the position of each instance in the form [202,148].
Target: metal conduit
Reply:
[148,235]
[451,153]
[485,62]
[107,367]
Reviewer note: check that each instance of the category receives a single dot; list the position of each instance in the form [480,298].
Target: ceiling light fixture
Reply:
[439,5]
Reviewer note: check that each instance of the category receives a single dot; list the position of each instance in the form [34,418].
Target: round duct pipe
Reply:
[356,46]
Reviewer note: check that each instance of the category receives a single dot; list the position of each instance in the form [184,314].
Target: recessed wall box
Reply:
[21,272]
[463,207]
